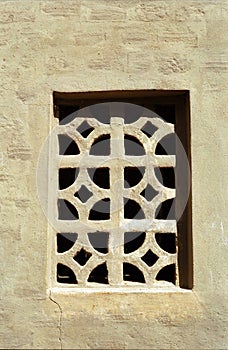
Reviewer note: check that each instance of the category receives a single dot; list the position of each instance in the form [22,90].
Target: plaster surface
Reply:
[80,45]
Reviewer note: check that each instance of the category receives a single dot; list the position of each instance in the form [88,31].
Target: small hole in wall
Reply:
[133,240]
[100,176]
[67,146]
[132,176]
[149,258]
[99,274]
[101,146]
[165,176]
[99,241]
[167,241]
[85,129]
[132,273]
[100,210]
[83,194]
[66,210]
[65,241]
[167,273]
[149,129]
[133,147]
[65,274]
[166,210]
[149,193]
[132,210]
[67,177]
[82,257]
[167,145]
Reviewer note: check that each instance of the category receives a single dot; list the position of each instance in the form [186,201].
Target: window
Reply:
[119,180]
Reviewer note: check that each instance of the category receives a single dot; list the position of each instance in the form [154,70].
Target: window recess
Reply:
[121,190]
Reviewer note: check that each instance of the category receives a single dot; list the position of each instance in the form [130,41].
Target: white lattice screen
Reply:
[106,230]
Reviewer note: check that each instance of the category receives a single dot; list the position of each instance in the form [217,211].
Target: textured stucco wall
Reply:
[110,45]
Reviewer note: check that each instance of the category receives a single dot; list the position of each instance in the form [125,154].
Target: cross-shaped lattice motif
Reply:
[119,249]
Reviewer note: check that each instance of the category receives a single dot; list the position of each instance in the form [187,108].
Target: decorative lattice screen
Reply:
[106,196]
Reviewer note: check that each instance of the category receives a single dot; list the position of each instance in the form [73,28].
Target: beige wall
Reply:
[110,45]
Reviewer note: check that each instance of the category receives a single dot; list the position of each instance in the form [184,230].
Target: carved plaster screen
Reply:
[114,192]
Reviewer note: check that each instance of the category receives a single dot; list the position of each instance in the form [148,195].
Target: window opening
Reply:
[117,176]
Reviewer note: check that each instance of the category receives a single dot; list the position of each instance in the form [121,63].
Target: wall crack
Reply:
[60,320]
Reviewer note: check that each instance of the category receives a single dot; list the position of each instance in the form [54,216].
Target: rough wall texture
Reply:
[110,45]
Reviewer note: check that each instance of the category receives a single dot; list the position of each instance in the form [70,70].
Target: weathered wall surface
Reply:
[110,45]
